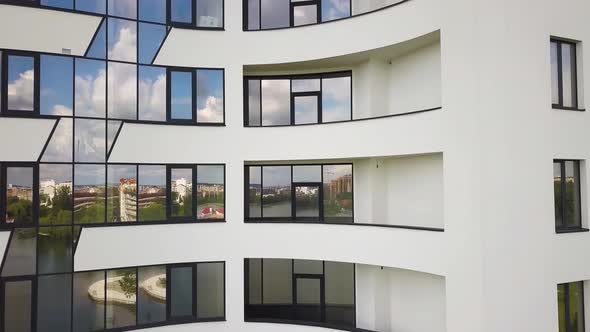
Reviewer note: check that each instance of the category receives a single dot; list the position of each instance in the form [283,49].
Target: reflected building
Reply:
[127,199]
[342,184]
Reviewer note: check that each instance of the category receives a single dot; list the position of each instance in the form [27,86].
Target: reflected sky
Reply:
[254,102]
[210,13]
[150,39]
[210,95]
[255,175]
[554,74]
[253,14]
[19,176]
[59,148]
[276,103]
[181,95]
[332,172]
[56,85]
[89,175]
[90,88]
[21,78]
[58,173]
[181,11]
[90,140]
[212,174]
[153,175]
[117,172]
[306,109]
[275,13]
[94,6]
[152,93]
[68,4]
[122,90]
[305,85]
[305,15]
[276,176]
[122,39]
[152,10]
[311,173]
[98,49]
[336,97]
[123,8]
[335,9]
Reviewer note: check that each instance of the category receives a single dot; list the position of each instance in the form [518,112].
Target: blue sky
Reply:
[56,85]
[181,95]
[151,37]
[152,10]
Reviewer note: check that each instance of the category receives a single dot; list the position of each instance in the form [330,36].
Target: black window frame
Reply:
[3,195]
[193,24]
[169,72]
[4,110]
[293,4]
[34,292]
[575,88]
[564,228]
[566,299]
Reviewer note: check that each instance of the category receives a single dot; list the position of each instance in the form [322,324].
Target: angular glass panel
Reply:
[335,9]
[122,39]
[255,192]
[121,193]
[568,58]
[274,13]
[121,305]
[89,194]
[557,194]
[20,92]
[123,8]
[90,140]
[277,281]
[210,96]
[305,266]
[307,173]
[98,48]
[89,299]
[210,290]
[152,10]
[210,192]
[151,294]
[303,15]
[181,291]
[55,249]
[152,93]
[61,143]
[181,11]
[90,92]
[254,102]
[94,6]
[152,193]
[305,85]
[21,253]
[210,13]
[254,280]
[112,129]
[276,191]
[67,4]
[181,184]
[338,191]
[19,195]
[55,194]
[253,14]
[554,74]
[151,37]
[122,91]
[54,303]
[306,109]
[17,306]
[56,85]
[336,99]
[181,102]
[572,193]
[307,201]
[276,102]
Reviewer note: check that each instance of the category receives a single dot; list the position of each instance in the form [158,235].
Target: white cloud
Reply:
[91,94]
[90,142]
[276,102]
[59,148]
[122,90]
[20,92]
[212,112]
[125,45]
[152,99]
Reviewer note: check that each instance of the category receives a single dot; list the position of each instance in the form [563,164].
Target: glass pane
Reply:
[181,291]
[568,78]
[152,193]
[210,192]
[276,191]
[576,306]
[89,297]
[61,143]
[55,249]
[19,195]
[254,280]
[305,266]
[305,85]
[277,281]
[572,194]
[122,90]
[152,10]
[275,13]
[55,194]
[335,9]
[181,95]
[308,291]
[210,13]
[181,183]
[561,298]
[68,4]
[21,83]
[557,195]
[307,201]
[112,129]
[210,290]
[17,306]
[90,94]
[554,75]
[122,39]
[339,288]
[56,85]
[254,102]
[54,303]
[123,8]
[276,102]
[338,191]
[181,11]
[94,6]
[90,140]
[253,14]
[303,15]
[89,194]
[255,192]
[336,99]
[311,173]
[210,95]
[98,47]
[121,298]
[151,294]
[152,93]
[122,193]
[151,37]
[21,253]
[306,109]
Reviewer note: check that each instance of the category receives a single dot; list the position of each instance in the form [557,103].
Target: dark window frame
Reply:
[3,195]
[566,296]
[34,292]
[292,5]
[36,84]
[193,24]
[575,92]
[169,117]
[564,228]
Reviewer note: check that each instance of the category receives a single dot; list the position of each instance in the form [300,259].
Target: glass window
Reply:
[112,129]
[335,9]
[88,301]
[17,305]
[181,291]
[336,99]
[255,192]
[181,11]
[554,74]
[54,303]
[90,92]
[253,14]
[21,253]
[305,266]
[210,96]
[307,173]
[67,4]
[122,91]
[571,306]
[277,281]
[274,13]
[254,280]
[152,193]
[181,99]
[307,201]
[94,6]
[121,298]
[151,37]
[19,195]
[152,93]
[61,143]
[563,74]
[122,39]
[151,294]
[21,83]
[305,14]
[305,85]
[276,191]
[337,192]
[558,194]
[254,99]
[89,194]
[90,140]
[210,13]
[210,290]
[211,192]
[181,184]
[567,194]
[276,102]
[98,46]
[123,8]
[122,193]
[55,249]
[55,194]
[152,10]
[56,85]
[306,109]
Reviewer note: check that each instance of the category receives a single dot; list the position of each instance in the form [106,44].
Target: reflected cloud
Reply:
[90,140]
[152,94]
[20,92]
[276,104]
[122,90]
[59,148]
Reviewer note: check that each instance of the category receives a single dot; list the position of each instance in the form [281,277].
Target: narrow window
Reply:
[21,84]
[19,189]
[210,198]
[570,299]
[181,12]
[209,13]
[210,101]
[566,187]
[121,305]
[181,192]
[151,198]
[564,81]
[180,91]
[181,292]
[151,301]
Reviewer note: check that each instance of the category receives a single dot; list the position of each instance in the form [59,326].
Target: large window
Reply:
[564,80]
[314,193]
[566,189]
[305,291]
[196,96]
[297,100]
[570,299]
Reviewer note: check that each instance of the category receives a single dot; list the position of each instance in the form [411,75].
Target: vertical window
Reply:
[306,99]
[123,8]
[152,11]
[18,300]
[335,9]
[122,90]
[181,192]
[151,300]
[253,17]
[254,194]
[122,193]
[19,183]
[122,39]
[67,4]
[21,83]
[566,188]
[89,140]
[54,303]
[88,301]
[254,102]
[180,90]
[151,197]
[210,192]
[338,203]
[93,6]
[121,289]
[336,99]
[274,13]
[276,105]
[21,253]
[564,82]
[56,85]
[210,101]
[570,297]
[210,286]
[276,191]
[89,194]
[152,93]
[54,247]
[209,13]
[90,88]
[181,291]
[55,194]
[181,12]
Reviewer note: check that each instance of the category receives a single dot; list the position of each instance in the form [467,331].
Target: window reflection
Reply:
[67,4]
[210,290]
[306,109]
[122,39]
[152,10]
[123,8]
[98,47]
[54,303]
[254,100]
[90,142]
[89,193]
[210,192]
[152,93]
[122,91]
[88,301]
[181,11]
[151,37]
[566,184]
[209,13]
[55,194]
[54,249]
[274,13]
[121,292]
[59,148]
[94,6]
[335,9]
[181,186]
[181,98]
[56,85]
[255,192]
[336,99]
[151,295]
[276,191]
[20,92]
[18,299]
[152,193]
[90,92]
[276,104]
[181,291]
[122,193]
[210,96]
[303,15]
[19,195]
[337,192]
[21,253]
